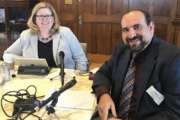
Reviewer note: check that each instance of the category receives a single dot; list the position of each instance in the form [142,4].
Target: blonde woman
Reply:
[45,38]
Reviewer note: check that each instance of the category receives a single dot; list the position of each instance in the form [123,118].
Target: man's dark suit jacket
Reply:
[158,66]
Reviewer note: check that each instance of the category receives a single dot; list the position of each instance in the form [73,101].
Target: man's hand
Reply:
[105,105]
[113,118]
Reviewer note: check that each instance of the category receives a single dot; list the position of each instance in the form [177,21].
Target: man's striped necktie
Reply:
[127,90]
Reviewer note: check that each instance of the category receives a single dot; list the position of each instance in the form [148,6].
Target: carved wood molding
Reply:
[176,21]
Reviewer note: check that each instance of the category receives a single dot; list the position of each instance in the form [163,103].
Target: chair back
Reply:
[84,47]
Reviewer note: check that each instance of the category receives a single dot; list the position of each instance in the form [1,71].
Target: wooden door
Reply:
[99,23]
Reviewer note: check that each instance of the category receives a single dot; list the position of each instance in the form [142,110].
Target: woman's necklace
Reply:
[45,40]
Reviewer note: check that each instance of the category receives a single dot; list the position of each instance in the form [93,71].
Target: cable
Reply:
[20,95]
[26,103]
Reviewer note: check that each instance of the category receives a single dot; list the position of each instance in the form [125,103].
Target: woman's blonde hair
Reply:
[31,21]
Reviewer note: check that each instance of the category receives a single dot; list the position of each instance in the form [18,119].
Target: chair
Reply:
[84,47]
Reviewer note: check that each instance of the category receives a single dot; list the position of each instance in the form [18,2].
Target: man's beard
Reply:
[135,48]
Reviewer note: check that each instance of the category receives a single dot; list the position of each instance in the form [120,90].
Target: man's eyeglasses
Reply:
[43,16]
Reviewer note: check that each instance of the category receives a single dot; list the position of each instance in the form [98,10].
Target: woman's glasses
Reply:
[42,17]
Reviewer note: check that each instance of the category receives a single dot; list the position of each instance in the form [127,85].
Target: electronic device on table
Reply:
[32,66]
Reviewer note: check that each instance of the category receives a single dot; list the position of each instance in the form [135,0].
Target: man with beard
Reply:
[153,90]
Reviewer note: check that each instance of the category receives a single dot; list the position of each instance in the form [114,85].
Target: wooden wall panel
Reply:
[163,7]
[161,30]
[102,14]
[162,12]
[102,7]
[103,38]
[177,35]
[141,4]
[176,24]
[178,9]
[68,15]
[88,36]
[115,34]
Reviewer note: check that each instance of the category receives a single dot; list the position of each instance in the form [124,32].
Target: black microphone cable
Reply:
[22,104]
[28,103]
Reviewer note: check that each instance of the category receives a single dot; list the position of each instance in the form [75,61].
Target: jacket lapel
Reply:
[119,74]
[34,45]
[147,63]
[56,43]
[123,63]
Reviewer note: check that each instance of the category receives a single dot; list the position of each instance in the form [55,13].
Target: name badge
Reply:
[155,95]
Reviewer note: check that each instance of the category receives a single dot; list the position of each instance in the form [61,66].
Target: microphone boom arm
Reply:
[56,94]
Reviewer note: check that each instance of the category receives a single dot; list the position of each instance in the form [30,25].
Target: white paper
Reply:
[74,99]
[69,74]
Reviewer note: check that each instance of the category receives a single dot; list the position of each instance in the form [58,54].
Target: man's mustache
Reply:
[139,37]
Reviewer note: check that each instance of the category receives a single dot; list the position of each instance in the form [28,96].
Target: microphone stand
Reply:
[57,76]
[62,73]
[61,66]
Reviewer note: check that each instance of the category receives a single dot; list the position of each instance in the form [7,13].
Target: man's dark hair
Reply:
[147,16]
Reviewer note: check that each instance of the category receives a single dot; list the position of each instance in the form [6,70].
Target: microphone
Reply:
[32,104]
[61,57]
[56,94]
